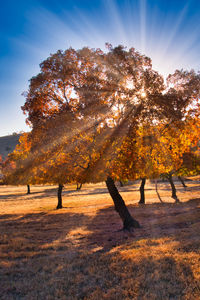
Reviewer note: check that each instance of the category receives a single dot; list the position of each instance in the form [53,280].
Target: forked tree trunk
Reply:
[28,189]
[142,196]
[78,186]
[174,196]
[128,221]
[121,183]
[60,187]
[182,181]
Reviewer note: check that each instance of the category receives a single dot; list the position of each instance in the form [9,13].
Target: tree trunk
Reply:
[156,186]
[121,183]
[174,196]
[142,196]
[60,187]
[28,189]
[78,187]
[182,181]
[120,206]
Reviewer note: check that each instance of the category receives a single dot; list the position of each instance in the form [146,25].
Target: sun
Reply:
[143,94]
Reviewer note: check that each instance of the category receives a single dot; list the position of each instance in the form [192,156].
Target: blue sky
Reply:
[166,31]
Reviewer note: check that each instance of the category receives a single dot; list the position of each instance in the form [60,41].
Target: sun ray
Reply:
[143,25]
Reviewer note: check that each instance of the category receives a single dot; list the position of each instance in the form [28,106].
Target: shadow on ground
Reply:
[65,255]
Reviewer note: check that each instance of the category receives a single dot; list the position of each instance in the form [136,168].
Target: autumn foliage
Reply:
[104,116]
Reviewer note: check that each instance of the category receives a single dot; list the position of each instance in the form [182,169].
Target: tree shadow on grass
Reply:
[73,271]
[36,233]
[50,193]
[179,187]
[97,191]
[14,196]
[194,200]
[99,262]
[157,220]
[163,278]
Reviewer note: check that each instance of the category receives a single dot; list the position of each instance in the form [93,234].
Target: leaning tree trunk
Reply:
[60,187]
[28,189]
[156,186]
[142,196]
[182,181]
[174,196]
[128,221]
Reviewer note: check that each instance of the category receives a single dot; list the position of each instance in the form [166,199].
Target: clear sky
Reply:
[168,31]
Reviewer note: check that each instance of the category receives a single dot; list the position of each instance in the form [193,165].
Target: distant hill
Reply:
[8,144]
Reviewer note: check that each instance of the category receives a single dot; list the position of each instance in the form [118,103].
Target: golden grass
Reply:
[79,253]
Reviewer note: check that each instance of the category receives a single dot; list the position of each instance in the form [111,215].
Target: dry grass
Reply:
[79,253]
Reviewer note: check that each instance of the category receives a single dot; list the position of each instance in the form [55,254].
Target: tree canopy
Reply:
[107,114]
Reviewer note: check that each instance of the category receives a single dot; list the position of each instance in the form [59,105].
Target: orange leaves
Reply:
[155,149]
[90,118]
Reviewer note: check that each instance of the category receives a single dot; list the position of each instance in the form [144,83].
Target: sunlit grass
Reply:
[79,253]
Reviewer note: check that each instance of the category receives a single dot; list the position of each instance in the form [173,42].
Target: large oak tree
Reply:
[86,105]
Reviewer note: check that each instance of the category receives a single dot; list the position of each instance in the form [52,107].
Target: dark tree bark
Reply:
[28,189]
[156,186]
[142,196]
[60,187]
[128,221]
[78,186]
[174,196]
[121,183]
[182,181]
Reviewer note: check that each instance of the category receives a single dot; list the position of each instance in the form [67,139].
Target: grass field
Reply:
[79,252]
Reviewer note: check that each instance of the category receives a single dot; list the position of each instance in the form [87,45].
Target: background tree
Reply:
[14,169]
[1,164]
